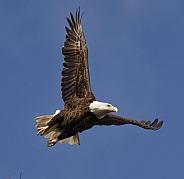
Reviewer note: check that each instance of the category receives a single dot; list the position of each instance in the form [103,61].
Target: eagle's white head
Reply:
[100,109]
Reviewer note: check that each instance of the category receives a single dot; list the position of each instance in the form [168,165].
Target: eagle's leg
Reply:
[52,142]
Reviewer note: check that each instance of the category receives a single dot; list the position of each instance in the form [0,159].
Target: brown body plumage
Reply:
[81,109]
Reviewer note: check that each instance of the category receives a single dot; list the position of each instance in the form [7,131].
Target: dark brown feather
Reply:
[68,78]
[112,119]
[75,64]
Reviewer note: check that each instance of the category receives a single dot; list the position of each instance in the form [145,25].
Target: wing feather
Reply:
[71,59]
[70,65]
[68,78]
[111,119]
[76,80]
[69,85]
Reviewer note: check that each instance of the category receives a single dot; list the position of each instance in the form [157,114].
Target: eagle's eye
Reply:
[108,105]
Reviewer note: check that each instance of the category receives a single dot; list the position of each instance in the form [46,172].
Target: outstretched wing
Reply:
[76,80]
[111,119]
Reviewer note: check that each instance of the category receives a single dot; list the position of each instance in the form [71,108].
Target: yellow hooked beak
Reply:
[114,109]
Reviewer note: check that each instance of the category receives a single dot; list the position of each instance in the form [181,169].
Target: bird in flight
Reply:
[81,110]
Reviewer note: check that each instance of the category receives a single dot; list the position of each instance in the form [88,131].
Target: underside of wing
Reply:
[111,119]
[76,80]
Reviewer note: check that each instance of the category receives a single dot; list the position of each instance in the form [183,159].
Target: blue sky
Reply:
[136,60]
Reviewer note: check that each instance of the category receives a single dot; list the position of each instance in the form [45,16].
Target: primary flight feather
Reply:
[81,110]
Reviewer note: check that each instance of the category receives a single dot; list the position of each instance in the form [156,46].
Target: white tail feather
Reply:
[43,121]
[71,140]
[53,132]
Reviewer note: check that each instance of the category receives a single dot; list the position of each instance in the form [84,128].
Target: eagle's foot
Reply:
[52,142]
[41,130]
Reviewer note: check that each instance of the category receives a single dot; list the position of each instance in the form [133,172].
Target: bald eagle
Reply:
[81,110]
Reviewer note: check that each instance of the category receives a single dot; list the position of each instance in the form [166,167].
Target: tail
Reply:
[71,140]
[43,121]
[53,132]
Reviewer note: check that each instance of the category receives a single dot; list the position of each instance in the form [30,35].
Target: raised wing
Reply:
[111,119]
[76,80]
